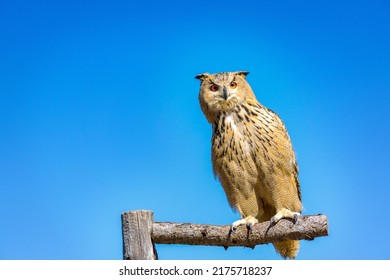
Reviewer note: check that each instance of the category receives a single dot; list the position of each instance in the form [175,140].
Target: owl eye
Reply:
[214,87]
[233,85]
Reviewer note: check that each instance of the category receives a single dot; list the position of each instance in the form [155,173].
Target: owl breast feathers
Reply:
[252,154]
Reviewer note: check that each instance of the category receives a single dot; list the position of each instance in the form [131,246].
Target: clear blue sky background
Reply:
[99,115]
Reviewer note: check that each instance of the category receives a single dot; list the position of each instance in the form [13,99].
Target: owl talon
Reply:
[247,221]
[284,214]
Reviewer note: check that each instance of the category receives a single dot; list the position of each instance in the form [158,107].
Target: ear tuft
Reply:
[202,76]
[243,74]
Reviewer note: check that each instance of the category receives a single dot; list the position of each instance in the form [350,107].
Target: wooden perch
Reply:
[306,227]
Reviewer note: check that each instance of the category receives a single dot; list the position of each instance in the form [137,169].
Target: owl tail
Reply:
[287,249]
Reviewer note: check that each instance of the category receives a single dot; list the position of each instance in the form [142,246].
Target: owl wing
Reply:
[275,154]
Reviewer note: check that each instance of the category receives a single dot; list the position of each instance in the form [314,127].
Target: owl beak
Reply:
[225,94]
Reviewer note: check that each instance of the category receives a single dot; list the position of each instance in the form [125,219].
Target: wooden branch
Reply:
[306,227]
[140,233]
[137,235]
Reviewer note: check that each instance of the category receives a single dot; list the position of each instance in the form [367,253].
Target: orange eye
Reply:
[233,85]
[214,87]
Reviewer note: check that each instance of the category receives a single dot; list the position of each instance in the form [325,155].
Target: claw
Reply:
[249,226]
[273,221]
[296,217]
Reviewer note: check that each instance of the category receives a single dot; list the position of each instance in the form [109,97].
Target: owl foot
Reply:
[284,214]
[248,221]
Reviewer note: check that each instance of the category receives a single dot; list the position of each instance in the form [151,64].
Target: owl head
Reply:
[222,92]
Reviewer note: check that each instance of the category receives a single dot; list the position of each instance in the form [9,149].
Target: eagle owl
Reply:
[252,154]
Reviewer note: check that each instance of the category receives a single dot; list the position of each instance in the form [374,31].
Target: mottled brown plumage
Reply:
[252,154]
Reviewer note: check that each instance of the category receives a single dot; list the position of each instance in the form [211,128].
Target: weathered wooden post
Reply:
[137,229]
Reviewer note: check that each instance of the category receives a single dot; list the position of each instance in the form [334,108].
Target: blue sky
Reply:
[99,115]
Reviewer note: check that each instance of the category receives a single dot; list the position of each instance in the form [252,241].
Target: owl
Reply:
[252,154]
